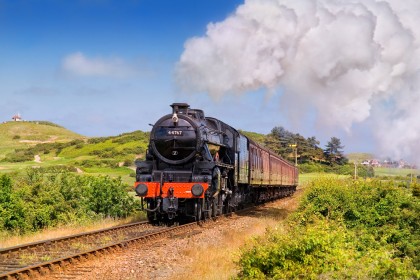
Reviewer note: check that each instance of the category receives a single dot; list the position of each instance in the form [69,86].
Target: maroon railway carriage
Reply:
[199,167]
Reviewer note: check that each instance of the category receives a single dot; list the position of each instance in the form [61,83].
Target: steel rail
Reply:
[26,255]
[16,270]
[35,244]
[39,268]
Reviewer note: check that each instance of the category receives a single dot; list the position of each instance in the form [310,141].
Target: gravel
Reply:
[192,256]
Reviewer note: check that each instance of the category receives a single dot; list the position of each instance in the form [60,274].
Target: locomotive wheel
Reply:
[198,212]
[151,217]
[208,210]
[214,209]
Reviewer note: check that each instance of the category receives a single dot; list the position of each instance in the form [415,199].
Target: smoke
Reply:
[349,60]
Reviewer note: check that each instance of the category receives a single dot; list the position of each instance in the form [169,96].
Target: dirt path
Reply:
[193,257]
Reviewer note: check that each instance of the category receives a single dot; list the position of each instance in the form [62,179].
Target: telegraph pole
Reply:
[355,170]
[294,147]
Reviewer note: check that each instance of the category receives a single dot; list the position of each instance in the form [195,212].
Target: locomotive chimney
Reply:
[180,108]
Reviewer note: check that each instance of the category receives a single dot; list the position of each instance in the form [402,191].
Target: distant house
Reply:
[17,118]
[375,163]
[372,162]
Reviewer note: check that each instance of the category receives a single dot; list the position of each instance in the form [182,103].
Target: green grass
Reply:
[257,137]
[359,157]
[75,152]
[383,171]
[94,156]
[379,172]
[122,172]
[18,135]
[310,177]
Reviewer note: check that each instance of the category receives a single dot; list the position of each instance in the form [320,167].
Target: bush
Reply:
[46,198]
[135,136]
[346,169]
[415,189]
[108,197]
[311,167]
[109,152]
[347,229]
[95,140]
[98,163]
[19,155]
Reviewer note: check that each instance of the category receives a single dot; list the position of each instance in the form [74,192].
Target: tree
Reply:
[333,152]
[278,141]
[283,142]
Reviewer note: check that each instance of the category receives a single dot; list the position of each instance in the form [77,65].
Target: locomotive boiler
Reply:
[198,167]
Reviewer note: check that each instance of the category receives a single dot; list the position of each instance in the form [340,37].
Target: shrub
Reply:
[95,140]
[109,152]
[108,197]
[19,155]
[346,229]
[49,197]
[346,169]
[311,167]
[415,189]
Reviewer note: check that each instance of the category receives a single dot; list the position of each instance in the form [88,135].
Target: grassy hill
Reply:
[359,157]
[22,135]
[44,144]
[257,137]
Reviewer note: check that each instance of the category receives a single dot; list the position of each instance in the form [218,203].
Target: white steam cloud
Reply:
[349,59]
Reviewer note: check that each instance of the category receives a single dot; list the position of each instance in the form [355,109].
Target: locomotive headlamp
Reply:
[141,190]
[175,118]
[197,190]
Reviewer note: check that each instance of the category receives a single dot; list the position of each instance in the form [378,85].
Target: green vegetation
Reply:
[359,157]
[305,178]
[46,178]
[343,229]
[306,151]
[334,153]
[284,143]
[22,135]
[52,145]
[116,148]
[396,172]
[346,169]
[257,137]
[49,197]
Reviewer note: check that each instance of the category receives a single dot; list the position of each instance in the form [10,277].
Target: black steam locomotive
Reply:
[199,167]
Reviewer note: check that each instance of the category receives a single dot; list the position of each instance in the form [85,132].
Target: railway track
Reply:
[38,258]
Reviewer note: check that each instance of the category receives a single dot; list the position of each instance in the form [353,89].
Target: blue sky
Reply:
[103,67]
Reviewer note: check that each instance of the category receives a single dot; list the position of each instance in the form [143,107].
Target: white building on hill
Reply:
[17,118]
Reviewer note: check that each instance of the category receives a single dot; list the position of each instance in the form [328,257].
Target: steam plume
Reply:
[349,59]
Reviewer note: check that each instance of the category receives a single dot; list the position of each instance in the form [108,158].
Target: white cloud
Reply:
[77,64]
[344,59]
[38,91]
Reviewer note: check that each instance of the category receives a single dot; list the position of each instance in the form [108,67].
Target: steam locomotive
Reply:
[198,167]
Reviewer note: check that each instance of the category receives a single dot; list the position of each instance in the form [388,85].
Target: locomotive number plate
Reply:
[175,132]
